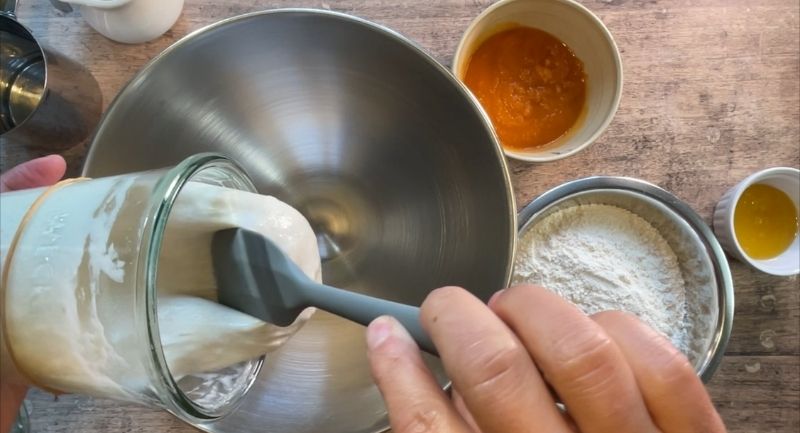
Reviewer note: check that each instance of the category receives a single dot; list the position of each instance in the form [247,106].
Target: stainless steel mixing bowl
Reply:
[387,155]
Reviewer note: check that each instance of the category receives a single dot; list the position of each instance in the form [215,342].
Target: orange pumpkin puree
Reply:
[531,85]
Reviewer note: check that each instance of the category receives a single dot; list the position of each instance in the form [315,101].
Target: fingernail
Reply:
[382,328]
[495,297]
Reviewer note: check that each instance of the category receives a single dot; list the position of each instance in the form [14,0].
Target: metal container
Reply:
[47,100]
[709,292]
[389,157]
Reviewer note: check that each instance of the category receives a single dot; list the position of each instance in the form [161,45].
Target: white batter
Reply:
[71,290]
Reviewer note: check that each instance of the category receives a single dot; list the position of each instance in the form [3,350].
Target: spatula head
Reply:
[254,276]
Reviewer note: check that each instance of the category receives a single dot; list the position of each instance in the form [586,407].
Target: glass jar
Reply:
[23,422]
[82,264]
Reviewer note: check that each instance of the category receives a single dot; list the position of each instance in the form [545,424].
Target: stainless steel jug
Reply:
[47,101]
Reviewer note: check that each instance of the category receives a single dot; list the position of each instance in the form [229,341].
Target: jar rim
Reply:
[165,193]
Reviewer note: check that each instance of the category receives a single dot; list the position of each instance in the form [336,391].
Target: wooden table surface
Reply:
[711,94]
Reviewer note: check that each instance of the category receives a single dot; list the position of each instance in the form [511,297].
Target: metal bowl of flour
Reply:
[386,154]
[703,266]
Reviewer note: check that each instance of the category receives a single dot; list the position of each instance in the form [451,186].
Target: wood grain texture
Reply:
[711,94]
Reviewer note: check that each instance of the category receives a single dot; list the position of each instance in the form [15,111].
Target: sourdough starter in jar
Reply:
[72,281]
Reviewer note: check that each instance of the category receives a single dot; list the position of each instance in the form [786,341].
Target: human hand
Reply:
[511,361]
[32,174]
[37,172]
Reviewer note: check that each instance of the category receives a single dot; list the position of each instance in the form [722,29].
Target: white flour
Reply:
[601,258]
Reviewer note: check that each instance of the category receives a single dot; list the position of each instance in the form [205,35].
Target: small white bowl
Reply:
[588,38]
[130,21]
[785,179]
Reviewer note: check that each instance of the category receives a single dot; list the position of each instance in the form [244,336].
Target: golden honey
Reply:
[765,221]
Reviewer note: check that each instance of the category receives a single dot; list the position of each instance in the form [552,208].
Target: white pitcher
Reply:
[129,21]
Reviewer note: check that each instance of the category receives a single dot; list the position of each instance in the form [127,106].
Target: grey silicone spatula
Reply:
[255,277]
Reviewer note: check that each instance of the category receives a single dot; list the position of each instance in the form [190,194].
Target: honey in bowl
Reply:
[765,221]
[531,85]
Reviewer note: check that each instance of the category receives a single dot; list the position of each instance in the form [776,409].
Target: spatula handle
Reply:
[364,309]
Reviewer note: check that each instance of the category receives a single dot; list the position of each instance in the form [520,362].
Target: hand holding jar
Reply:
[108,289]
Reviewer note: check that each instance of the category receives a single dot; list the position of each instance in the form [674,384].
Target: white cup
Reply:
[783,178]
[130,21]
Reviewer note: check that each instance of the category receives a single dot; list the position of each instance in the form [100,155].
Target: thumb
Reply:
[34,173]
[414,400]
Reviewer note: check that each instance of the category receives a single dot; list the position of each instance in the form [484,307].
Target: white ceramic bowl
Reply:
[130,21]
[785,179]
[592,43]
